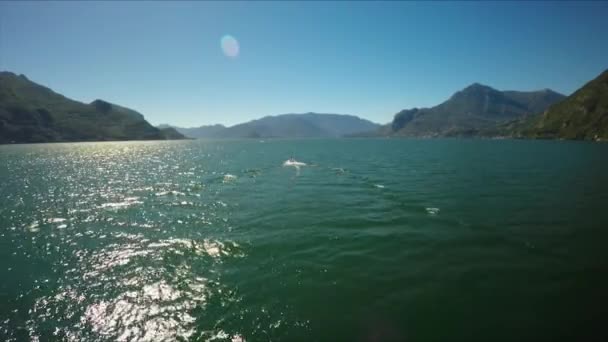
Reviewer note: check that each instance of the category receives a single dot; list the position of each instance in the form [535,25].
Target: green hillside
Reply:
[582,115]
[30,112]
[470,111]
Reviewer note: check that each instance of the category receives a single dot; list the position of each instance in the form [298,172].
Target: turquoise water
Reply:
[373,240]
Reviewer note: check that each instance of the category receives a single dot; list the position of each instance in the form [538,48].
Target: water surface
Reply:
[372,240]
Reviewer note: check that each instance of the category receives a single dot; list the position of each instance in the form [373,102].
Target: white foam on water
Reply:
[33,227]
[294,163]
[237,338]
[129,201]
[379,186]
[229,178]
[212,248]
[171,192]
[224,336]
[220,335]
[432,211]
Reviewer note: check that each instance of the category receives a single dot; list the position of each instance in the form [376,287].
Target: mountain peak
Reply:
[13,75]
[470,110]
[477,87]
[7,73]
[102,105]
[549,91]
[475,90]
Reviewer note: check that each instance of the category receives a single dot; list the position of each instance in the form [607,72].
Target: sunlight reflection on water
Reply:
[143,303]
[149,240]
[110,214]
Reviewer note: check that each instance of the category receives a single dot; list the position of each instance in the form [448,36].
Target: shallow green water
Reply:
[373,240]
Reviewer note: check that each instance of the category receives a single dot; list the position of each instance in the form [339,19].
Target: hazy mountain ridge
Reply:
[471,110]
[171,133]
[30,112]
[306,125]
[205,131]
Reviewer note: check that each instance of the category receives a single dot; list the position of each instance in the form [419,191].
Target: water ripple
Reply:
[199,240]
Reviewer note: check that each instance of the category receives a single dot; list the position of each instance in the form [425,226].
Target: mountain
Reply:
[307,125]
[471,110]
[171,133]
[210,131]
[30,112]
[582,115]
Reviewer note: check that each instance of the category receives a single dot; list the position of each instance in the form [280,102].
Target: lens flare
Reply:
[230,46]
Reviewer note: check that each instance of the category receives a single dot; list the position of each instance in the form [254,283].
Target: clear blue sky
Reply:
[370,59]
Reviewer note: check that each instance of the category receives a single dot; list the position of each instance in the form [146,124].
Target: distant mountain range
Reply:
[307,125]
[471,111]
[209,131]
[30,112]
[482,111]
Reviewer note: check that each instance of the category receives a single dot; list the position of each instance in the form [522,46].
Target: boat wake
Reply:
[294,163]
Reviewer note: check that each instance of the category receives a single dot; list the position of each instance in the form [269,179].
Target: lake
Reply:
[372,240]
